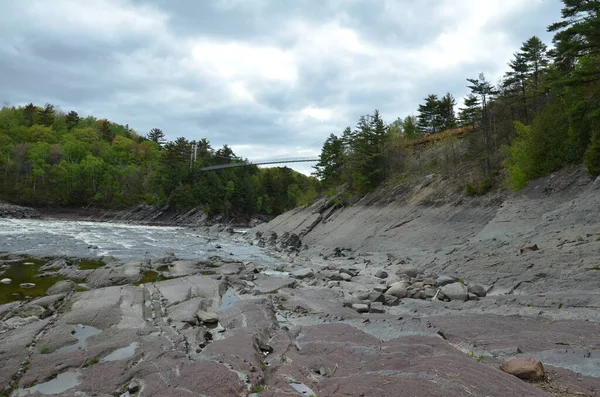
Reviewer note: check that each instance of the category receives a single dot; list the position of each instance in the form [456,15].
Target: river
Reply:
[48,237]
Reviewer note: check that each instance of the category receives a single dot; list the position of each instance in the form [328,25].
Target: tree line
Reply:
[543,114]
[52,158]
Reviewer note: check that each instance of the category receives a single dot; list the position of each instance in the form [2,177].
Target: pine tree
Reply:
[484,89]
[577,36]
[72,119]
[471,113]
[46,115]
[517,79]
[446,113]
[428,118]
[156,135]
[331,161]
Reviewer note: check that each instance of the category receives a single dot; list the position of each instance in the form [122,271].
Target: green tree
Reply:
[156,135]
[72,119]
[485,91]
[410,128]
[577,36]
[471,113]
[331,161]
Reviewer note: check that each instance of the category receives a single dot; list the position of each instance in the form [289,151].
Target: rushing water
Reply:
[125,242]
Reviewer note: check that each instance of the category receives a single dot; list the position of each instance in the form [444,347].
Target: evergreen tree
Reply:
[484,89]
[445,111]
[72,119]
[471,113]
[156,135]
[410,128]
[428,118]
[331,161]
[46,115]
[577,36]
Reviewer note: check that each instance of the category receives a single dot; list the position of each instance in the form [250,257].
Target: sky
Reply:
[269,78]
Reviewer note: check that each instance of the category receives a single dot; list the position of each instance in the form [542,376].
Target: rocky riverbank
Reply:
[17,212]
[225,327]
[396,297]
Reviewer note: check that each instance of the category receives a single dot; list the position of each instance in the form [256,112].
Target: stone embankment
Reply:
[17,212]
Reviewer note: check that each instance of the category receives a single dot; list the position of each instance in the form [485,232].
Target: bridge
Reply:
[261,162]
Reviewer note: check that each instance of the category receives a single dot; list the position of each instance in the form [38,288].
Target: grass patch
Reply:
[479,188]
[45,350]
[25,271]
[89,265]
[257,389]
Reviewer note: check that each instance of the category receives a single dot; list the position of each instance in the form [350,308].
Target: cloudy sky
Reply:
[267,77]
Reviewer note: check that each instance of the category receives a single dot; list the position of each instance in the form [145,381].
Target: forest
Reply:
[57,159]
[542,115]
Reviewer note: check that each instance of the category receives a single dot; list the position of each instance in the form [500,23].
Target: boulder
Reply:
[5,281]
[361,307]
[381,274]
[62,287]
[473,297]
[376,297]
[345,277]
[350,301]
[525,368]
[398,289]
[391,300]
[303,273]
[444,280]
[350,271]
[477,290]
[377,307]
[429,291]
[27,285]
[455,292]
[207,317]
[410,272]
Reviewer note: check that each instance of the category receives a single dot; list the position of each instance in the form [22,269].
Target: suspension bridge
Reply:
[245,163]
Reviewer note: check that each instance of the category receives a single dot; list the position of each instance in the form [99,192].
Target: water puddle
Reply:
[227,300]
[60,384]
[25,271]
[82,333]
[122,353]
[302,389]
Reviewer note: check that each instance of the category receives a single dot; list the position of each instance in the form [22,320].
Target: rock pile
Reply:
[409,283]
[17,212]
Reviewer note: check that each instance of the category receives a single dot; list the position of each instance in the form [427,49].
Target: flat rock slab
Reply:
[340,360]
[266,285]
[184,288]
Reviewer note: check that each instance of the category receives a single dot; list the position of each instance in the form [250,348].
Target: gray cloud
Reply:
[265,76]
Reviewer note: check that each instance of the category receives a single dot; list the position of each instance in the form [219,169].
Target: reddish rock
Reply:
[525,368]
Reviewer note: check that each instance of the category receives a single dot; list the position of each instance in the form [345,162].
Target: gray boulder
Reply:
[376,297]
[477,290]
[455,292]
[361,307]
[410,272]
[62,287]
[398,289]
[303,273]
[345,277]
[445,280]
[381,274]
